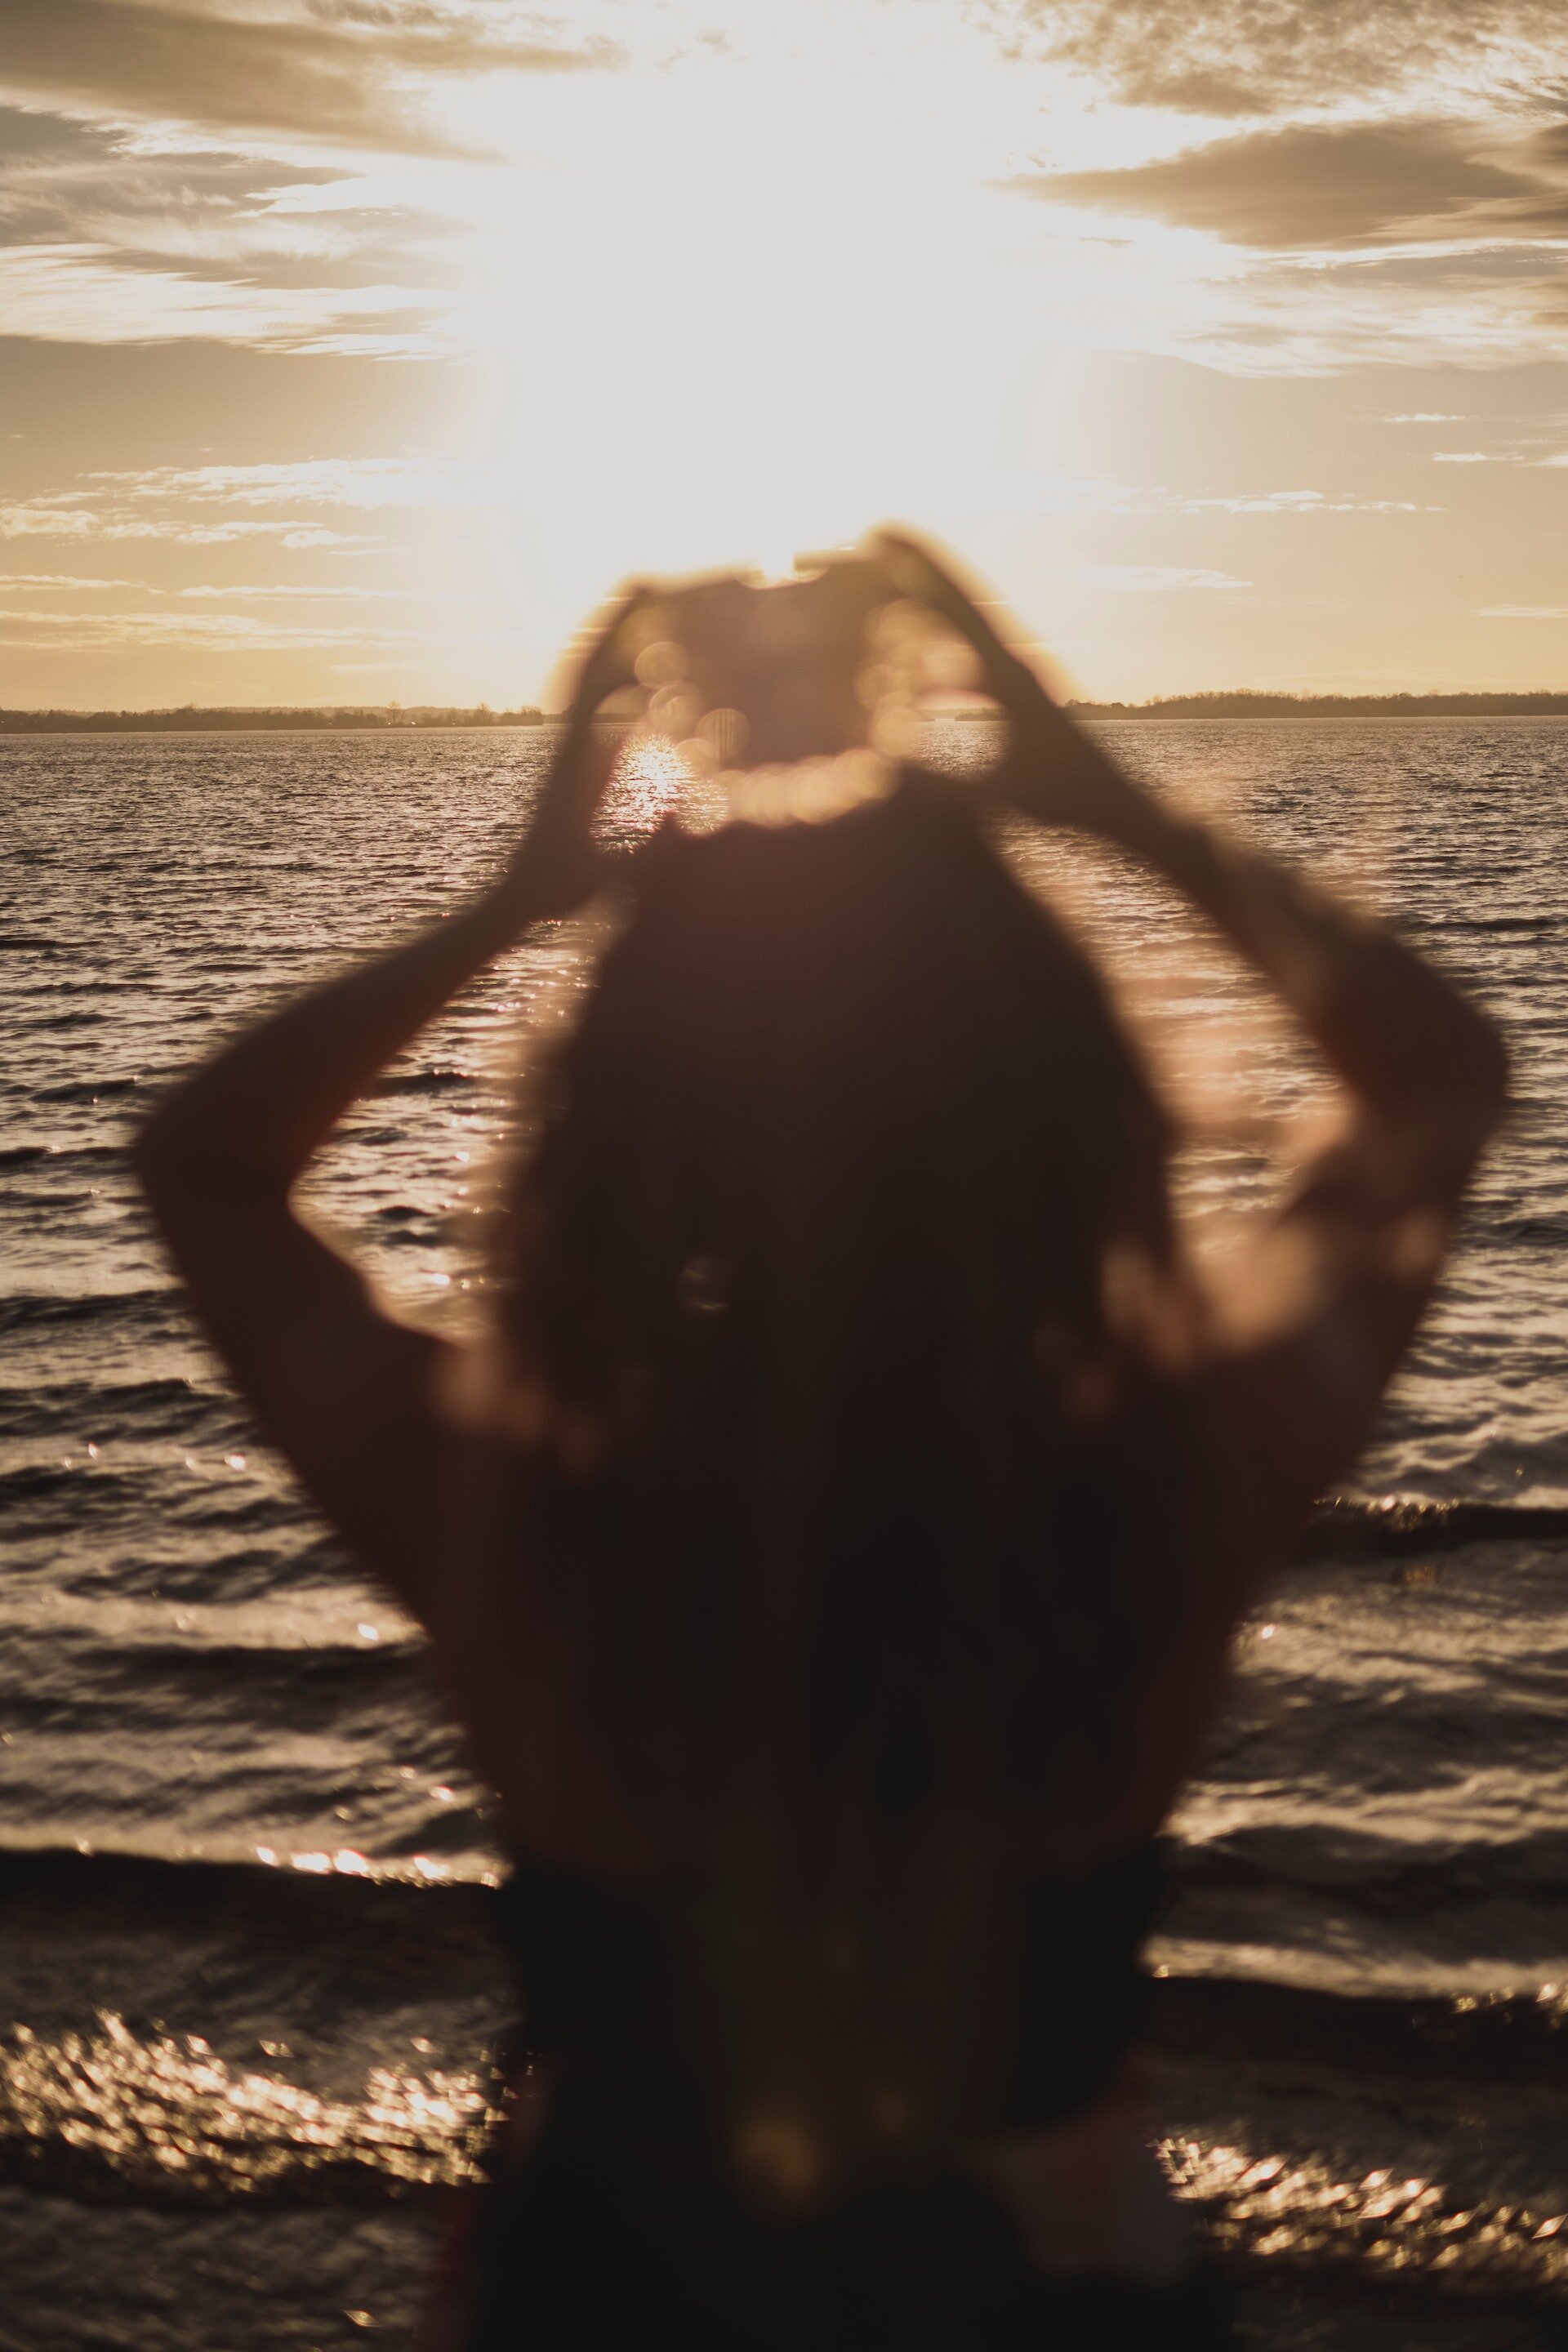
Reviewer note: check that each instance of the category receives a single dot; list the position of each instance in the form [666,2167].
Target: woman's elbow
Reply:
[176,1155]
[172,1180]
[1482,1071]
[1467,1100]
[1456,1075]
[153,1151]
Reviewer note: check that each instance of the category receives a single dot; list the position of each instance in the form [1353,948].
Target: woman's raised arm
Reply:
[343,1388]
[1331,1292]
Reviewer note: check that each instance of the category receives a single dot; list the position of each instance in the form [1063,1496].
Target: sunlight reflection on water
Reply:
[167,2116]
[167,2111]
[1275,2207]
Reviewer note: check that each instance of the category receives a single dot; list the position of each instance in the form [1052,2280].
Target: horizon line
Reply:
[218,717]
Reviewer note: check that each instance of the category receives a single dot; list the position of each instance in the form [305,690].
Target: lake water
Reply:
[246,1988]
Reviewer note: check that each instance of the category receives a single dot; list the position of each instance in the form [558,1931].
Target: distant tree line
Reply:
[190,721]
[1244,704]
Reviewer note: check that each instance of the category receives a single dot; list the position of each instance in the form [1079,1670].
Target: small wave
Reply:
[113,1409]
[1488,926]
[290,1678]
[1391,1526]
[71,1017]
[34,1478]
[1553,1229]
[57,1157]
[27,1310]
[1497,2038]
[88,1090]
[1380,1873]
[307,1896]
[426,1082]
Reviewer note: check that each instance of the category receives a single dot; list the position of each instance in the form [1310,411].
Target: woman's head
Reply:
[840,1090]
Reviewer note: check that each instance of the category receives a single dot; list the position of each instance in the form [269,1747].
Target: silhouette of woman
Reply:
[832,1550]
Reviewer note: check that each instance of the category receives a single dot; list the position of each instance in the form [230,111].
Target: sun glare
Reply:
[777,296]
[762,312]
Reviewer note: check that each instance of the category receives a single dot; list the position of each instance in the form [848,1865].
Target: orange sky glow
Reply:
[352,350]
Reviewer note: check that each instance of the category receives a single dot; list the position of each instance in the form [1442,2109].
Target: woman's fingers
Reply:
[919,573]
[607,665]
[580,767]
[556,866]
[914,568]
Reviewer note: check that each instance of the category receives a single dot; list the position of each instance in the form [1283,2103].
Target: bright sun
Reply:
[777,305]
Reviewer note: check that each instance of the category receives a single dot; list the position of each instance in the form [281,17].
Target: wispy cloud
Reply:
[1317,186]
[109,234]
[244,592]
[82,293]
[214,632]
[1428,307]
[1159,579]
[248,591]
[149,203]
[62,177]
[72,580]
[61,516]
[1262,57]
[220,506]
[407,481]
[1304,502]
[1523,611]
[1095,495]
[350,76]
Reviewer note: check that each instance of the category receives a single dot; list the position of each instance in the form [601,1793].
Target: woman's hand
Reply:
[556,866]
[1050,770]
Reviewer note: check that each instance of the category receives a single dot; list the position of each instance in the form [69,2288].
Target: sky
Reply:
[351,351]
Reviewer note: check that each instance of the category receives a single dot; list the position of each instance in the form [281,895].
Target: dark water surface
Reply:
[245,1987]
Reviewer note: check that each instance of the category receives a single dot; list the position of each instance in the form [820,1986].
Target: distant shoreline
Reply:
[1244,704]
[358,719]
[280,720]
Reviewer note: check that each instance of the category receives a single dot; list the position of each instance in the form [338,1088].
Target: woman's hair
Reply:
[855,1493]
